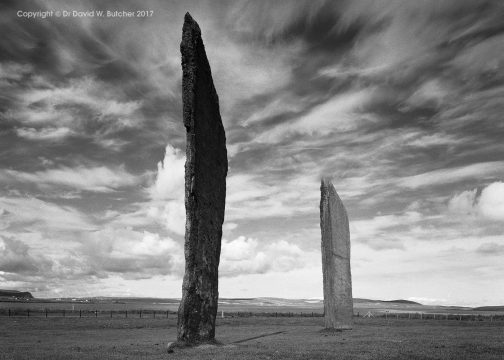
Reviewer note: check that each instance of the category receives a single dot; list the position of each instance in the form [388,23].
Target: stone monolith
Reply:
[205,191]
[337,278]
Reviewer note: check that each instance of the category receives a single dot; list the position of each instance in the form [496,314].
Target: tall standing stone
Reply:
[205,190]
[338,302]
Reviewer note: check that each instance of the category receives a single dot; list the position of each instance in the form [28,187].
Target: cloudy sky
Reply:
[400,102]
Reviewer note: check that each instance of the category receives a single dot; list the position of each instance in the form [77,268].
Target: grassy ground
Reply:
[74,338]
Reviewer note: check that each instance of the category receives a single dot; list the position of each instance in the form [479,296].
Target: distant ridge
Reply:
[399,301]
[15,294]
[8,295]
[489,308]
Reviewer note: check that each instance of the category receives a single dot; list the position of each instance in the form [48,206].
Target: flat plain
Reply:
[250,338]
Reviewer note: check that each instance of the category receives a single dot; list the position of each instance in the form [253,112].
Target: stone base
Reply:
[335,329]
[172,346]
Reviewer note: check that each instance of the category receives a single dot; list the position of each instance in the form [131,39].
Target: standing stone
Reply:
[338,302]
[205,191]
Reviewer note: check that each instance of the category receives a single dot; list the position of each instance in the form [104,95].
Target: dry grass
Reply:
[301,338]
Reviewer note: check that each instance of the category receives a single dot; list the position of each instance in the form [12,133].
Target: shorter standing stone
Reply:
[338,301]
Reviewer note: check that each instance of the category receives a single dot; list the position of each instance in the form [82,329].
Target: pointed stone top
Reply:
[328,190]
[326,182]
[190,26]
[327,187]
[193,58]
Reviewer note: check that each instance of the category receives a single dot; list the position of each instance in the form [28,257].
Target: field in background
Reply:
[308,307]
[250,338]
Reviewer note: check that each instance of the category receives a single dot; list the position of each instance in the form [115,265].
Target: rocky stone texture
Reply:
[338,302]
[205,190]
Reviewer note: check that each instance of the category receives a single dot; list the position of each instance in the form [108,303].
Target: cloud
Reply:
[463,203]
[92,257]
[162,215]
[430,93]
[248,256]
[245,187]
[491,201]
[252,197]
[241,72]
[132,253]
[13,71]
[15,258]
[41,215]
[171,214]
[63,105]
[84,91]
[432,140]
[487,203]
[385,232]
[401,102]
[169,182]
[336,113]
[97,179]
[44,133]
[271,21]
[397,46]
[278,106]
[483,56]
[481,170]
[167,192]
[491,248]
[81,109]
[339,113]
[241,248]
[229,226]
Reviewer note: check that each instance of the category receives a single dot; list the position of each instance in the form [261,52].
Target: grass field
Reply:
[301,338]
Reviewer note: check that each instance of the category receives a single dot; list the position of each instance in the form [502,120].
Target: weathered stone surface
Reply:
[338,302]
[205,190]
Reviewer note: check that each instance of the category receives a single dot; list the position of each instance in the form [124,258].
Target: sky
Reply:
[399,102]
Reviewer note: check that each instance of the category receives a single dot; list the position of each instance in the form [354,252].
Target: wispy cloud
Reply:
[37,214]
[480,171]
[97,179]
[44,133]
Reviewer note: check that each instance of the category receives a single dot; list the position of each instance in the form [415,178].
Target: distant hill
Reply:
[260,301]
[14,294]
[399,301]
[10,295]
[489,308]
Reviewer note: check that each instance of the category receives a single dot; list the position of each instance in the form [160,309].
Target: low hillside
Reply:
[14,294]
[400,301]
[489,308]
